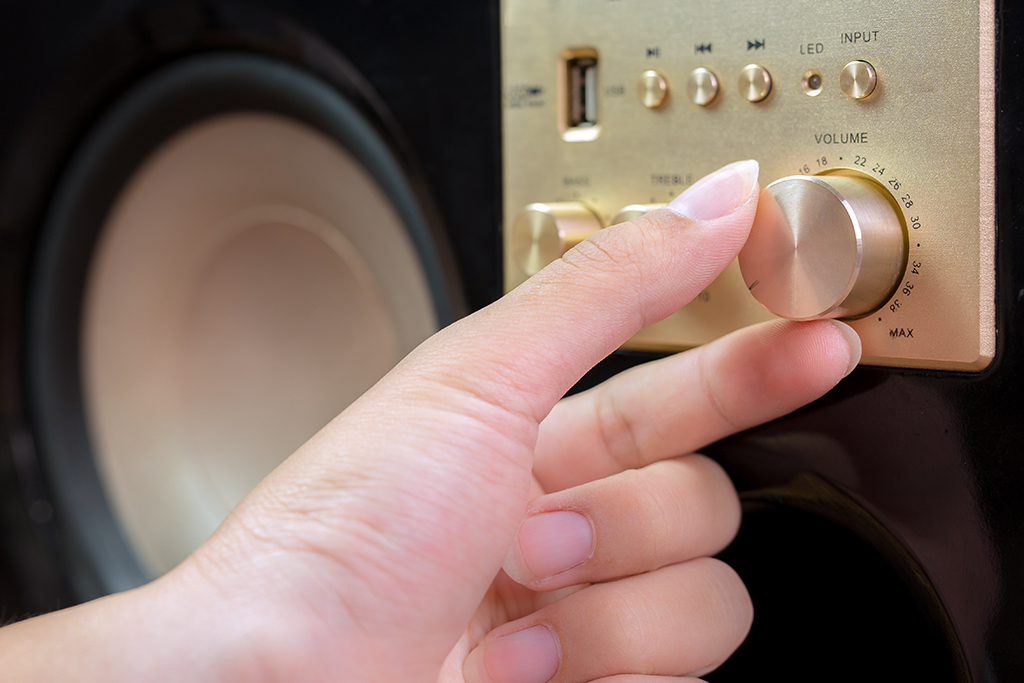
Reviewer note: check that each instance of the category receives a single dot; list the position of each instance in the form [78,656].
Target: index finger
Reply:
[563,320]
[434,462]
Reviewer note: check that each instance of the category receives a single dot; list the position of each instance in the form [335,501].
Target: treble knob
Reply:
[823,247]
[541,233]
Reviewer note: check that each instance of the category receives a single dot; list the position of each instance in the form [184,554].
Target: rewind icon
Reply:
[702,48]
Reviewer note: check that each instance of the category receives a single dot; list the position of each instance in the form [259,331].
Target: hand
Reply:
[375,552]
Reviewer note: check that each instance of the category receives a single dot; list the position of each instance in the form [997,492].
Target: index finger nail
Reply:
[719,193]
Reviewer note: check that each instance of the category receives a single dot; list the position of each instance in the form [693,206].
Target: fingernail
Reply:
[527,656]
[853,339]
[718,194]
[548,544]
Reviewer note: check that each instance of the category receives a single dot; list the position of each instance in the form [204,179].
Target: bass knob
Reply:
[541,233]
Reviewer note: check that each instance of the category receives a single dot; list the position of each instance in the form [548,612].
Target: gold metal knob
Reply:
[858,79]
[541,233]
[755,83]
[653,89]
[702,86]
[823,247]
[632,212]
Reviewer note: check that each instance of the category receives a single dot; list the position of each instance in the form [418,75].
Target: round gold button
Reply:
[858,79]
[653,89]
[632,212]
[541,233]
[702,86]
[755,83]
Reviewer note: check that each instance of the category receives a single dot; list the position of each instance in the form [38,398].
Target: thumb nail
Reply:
[853,339]
[719,193]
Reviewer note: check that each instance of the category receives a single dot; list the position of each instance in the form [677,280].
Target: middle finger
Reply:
[633,522]
[682,403]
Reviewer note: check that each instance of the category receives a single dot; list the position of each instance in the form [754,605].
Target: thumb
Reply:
[393,521]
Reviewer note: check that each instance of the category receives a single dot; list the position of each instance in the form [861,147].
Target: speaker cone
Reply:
[234,254]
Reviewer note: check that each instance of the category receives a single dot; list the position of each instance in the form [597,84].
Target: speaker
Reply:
[221,223]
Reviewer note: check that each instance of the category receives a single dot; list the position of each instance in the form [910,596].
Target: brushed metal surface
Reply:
[823,247]
[632,212]
[702,86]
[925,134]
[858,79]
[755,83]
[653,89]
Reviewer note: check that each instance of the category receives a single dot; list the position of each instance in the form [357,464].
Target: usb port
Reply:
[582,91]
[579,94]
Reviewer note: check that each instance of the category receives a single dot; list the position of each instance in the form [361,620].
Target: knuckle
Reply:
[618,432]
[605,263]
[707,380]
[620,258]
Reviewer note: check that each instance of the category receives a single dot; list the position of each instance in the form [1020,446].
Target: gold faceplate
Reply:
[925,133]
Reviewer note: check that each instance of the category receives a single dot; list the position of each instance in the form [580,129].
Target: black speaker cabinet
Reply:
[207,204]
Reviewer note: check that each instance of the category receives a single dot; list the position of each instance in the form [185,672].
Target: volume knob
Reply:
[541,233]
[823,247]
